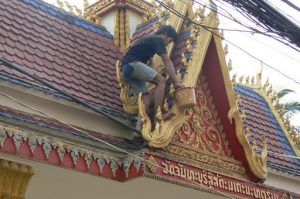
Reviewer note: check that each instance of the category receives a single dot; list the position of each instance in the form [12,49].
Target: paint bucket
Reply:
[185,97]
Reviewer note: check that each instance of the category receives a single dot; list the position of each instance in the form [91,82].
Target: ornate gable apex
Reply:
[207,59]
[120,17]
[100,8]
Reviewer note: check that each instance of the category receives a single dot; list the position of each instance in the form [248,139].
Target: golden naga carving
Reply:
[163,131]
[127,96]
[14,179]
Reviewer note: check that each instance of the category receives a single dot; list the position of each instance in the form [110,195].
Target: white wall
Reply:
[51,182]
[283,181]
[108,21]
[134,21]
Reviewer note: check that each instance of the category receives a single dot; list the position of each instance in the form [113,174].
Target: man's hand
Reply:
[170,70]
[178,84]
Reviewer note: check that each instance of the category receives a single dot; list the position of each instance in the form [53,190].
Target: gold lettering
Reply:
[269,195]
[216,181]
[190,175]
[204,177]
[171,170]
[166,169]
[200,178]
[263,194]
[210,179]
[257,193]
[230,186]
[248,190]
[182,171]
[177,171]
[238,187]
[221,183]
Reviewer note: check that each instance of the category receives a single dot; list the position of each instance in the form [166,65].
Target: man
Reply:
[137,73]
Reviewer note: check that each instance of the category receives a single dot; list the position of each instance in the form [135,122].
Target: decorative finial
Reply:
[282,111]
[229,65]
[254,145]
[233,78]
[70,7]
[98,21]
[247,80]
[226,49]
[188,46]
[243,115]
[270,90]
[274,96]
[222,34]
[184,60]
[266,85]
[85,4]
[60,4]
[252,80]
[78,11]
[277,104]
[247,133]
[241,79]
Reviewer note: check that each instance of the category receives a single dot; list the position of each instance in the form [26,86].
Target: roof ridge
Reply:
[65,16]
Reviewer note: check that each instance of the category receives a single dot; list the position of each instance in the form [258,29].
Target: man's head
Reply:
[168,33]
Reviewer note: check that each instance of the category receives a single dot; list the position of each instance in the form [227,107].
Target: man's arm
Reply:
[170,70]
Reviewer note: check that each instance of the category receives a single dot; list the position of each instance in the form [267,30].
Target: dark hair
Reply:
[169,31]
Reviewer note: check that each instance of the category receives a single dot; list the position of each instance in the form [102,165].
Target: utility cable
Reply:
[36,78]
[106,143]
[193,22]
[283,53]
[252,30]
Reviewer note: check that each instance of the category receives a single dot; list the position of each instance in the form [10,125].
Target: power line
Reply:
[245,32]
[254,30]
[268,17]
[75,99]
[193,22]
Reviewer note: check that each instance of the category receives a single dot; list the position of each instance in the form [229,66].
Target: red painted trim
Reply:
[53,159]
[213,74]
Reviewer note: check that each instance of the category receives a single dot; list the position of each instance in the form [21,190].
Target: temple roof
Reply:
[62,49]
[261,121]
[80,58]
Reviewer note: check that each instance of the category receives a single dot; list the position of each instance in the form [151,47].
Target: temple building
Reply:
[229,139]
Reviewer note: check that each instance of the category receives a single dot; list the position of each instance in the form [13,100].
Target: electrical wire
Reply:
[104,142]
[36,78]
[249,54]
[253,30]
[269,18]
[222,22]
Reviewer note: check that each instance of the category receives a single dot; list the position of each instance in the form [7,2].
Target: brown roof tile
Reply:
[65,54]
[260,123]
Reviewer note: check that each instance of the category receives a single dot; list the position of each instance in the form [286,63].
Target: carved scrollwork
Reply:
[200,130]
[128,97]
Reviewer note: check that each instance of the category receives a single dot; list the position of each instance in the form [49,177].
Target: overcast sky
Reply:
[264,48]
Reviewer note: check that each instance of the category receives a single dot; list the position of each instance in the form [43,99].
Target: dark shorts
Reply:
[137,74]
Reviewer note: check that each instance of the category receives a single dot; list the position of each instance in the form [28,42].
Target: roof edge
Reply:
[71,19]
[269,95]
